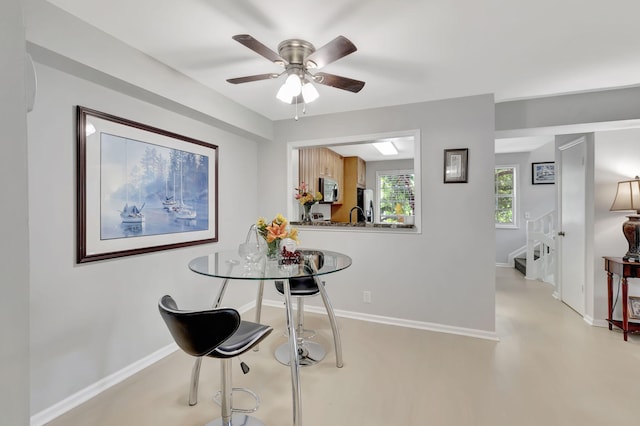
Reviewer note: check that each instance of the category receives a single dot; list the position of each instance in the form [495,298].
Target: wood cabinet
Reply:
[354,177]
[361,173]
[315,163]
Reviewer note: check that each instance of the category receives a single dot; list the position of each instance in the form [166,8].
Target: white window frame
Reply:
[378,196]
[516,172]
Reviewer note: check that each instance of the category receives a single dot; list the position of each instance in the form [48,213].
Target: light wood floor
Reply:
[549,368]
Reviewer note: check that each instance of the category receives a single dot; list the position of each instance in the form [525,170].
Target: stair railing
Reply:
[541,246]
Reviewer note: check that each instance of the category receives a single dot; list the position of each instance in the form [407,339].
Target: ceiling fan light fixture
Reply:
[290,89]
[298,57]
[284,95]
[294,85]
[309,92]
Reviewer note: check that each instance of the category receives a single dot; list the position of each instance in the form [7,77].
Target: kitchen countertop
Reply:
[327,223]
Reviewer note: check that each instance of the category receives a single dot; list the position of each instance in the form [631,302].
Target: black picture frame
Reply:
[141,189]
[543,173]
[456,165]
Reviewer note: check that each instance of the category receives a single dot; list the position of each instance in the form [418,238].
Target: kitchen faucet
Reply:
[356,208]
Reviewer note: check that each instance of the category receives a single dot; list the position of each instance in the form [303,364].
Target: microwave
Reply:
[328,189]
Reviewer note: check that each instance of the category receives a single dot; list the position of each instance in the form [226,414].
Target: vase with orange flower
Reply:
[307,199]
[274,233]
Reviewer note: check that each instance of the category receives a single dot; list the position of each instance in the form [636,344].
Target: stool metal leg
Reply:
[195,371]
[227,391]
[195,375]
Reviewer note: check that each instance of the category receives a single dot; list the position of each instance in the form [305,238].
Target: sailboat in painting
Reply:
[130,213]
[182,211]
[169,200]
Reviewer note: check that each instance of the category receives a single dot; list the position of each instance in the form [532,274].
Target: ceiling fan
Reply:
[299,57]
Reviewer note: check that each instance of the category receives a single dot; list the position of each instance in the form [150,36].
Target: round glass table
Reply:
[229,265]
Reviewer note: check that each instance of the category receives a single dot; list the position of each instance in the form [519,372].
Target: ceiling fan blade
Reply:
[339,82]
[251,78]
[337,48]
[259,48]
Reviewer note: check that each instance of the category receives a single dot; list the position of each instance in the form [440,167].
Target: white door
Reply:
[572,224]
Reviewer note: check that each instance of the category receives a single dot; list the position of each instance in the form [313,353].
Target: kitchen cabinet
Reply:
[361,173]
[354,177]
[315,163]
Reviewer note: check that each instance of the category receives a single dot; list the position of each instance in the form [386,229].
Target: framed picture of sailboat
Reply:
[141,189]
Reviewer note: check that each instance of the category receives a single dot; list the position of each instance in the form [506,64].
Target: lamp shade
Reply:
[627,196]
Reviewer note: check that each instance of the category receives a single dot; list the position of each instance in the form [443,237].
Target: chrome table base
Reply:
[309,353]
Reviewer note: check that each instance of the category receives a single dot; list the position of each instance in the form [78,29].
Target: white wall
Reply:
[617,158]
[443,275]
[91,320]
[536,200]
[14,231]
[54,29]
[375,166]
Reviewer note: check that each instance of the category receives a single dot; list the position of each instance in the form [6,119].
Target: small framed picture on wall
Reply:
[543,173]
[456,165]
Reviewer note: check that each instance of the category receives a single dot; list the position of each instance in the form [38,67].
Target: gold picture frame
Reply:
[634,307]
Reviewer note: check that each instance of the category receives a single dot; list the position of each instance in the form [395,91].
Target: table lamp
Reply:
[628,198]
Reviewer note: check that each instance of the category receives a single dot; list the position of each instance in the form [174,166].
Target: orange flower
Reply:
[277,231]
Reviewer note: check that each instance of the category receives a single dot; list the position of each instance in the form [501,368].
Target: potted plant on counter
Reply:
[307,199]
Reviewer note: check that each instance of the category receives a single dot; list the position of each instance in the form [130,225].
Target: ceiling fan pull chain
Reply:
[296,116]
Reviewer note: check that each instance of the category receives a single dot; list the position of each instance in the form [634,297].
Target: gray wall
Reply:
[536,200]
[415,276]
[14,231]
[92,320]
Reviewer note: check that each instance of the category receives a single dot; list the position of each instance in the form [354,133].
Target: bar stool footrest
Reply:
[238,419]
[217,400]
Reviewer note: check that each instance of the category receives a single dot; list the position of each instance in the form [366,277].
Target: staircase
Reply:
[520,263]
[539,263]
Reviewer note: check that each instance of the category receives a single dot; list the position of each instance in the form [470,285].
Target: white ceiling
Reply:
[408,51]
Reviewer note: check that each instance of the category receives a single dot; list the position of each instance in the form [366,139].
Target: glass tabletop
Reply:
[228,264]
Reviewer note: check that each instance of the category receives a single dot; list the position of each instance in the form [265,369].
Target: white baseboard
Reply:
[47,415]
[595,322]
[503,265]
[89,392]
[469,332]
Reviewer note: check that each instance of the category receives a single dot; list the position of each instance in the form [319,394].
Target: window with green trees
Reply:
[396,195]
[505,196]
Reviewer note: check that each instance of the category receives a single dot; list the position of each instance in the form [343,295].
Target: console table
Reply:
[615,265]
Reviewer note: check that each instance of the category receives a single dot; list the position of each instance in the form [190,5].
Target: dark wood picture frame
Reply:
[543,173]
[456,165]
[141,189]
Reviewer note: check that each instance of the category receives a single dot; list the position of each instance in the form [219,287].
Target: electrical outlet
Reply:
[366,296]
